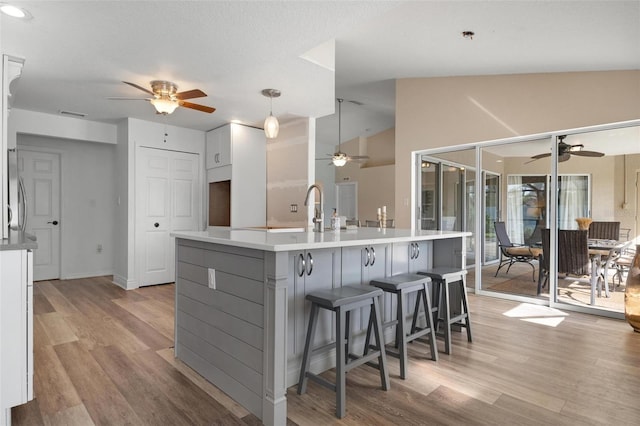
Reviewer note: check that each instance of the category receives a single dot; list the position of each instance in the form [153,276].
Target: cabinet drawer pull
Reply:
[367,256]
[373,256]
[309,264]
[301,265]
[417,251]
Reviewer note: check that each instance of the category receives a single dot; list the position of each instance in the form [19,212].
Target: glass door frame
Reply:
[552,208]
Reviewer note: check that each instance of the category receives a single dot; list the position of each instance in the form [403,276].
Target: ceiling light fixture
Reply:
[271,125]
[468,34]
[14,11]
[164,105]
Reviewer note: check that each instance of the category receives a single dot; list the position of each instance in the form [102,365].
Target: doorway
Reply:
[40,174]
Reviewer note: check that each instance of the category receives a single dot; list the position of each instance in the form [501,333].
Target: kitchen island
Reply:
[241,313]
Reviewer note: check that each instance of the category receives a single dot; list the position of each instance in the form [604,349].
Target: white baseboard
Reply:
[126,284]
[86,275]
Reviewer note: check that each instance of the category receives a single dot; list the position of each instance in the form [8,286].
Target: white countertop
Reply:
[18,240]
[289,241]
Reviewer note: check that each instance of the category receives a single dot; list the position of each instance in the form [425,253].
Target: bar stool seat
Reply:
[443,279]
[402,285]
[342,301]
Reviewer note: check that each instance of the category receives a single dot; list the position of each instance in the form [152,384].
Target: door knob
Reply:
[53,222]
[156,224]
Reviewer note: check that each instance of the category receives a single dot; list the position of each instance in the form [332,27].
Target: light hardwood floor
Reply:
[104,356]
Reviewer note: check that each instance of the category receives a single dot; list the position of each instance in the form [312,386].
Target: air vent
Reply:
[73,114]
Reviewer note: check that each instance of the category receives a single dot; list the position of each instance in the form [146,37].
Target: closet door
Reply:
[167,199]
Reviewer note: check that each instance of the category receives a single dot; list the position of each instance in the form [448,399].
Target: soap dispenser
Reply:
[335,221]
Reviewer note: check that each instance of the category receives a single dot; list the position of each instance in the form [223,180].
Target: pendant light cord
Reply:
[339,123]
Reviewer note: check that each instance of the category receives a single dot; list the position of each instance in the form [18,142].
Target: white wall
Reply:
[87,205]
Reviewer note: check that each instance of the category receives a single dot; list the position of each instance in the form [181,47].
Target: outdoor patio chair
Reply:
[544,260]
[604,230]
[511,253]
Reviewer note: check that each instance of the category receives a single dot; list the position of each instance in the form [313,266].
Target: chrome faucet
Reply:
[318,218]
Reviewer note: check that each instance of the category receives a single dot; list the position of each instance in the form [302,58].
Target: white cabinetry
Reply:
[219,146]
[16,330]
[237,154]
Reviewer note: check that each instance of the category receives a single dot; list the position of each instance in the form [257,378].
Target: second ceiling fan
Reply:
[166,98]
[340,158]
[565,151]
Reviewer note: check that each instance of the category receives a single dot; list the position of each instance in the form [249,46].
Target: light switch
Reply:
[212,279]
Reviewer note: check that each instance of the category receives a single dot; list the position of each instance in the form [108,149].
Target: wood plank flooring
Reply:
[104,356]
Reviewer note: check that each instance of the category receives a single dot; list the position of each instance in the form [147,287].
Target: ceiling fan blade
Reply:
[191,94]
[359,157]
[539,156]
[198,107]
[139,88]
[588,153]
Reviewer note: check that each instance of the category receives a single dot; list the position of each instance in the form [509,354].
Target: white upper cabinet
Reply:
[219,141]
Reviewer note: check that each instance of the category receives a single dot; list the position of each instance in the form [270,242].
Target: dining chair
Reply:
[544,260]
[604,230]
[622,263]
[371,223]
[511,253]
[573,252]
[355,222]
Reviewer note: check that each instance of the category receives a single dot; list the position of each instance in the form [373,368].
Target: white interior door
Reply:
[40,173]
[167,199]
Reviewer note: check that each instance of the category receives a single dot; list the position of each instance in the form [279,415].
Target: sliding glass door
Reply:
[491,208]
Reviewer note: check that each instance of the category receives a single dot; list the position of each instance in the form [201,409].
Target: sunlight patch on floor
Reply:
[537,314]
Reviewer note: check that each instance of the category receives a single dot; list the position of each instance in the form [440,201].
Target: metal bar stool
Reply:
[443,278]
[401,285]
[342,301]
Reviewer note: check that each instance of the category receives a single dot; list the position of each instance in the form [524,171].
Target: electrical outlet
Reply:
[212,279]
[293,208]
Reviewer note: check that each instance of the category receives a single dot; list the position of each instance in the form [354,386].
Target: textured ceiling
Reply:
[78,52]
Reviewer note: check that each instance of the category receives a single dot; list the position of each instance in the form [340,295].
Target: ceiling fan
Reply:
[166,98]
[340,158]
[565,151]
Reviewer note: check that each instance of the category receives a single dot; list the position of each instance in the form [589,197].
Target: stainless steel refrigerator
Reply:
[17,195]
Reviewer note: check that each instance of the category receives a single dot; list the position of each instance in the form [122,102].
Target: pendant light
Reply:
[339,159]
[271,125]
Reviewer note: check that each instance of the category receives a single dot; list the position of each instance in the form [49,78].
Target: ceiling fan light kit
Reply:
[271,124]
[164,105]
[339,159]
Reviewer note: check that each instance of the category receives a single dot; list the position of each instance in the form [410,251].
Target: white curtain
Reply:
[573,200]
[514,209]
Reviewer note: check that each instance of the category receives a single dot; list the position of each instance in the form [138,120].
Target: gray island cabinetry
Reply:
[241,313]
